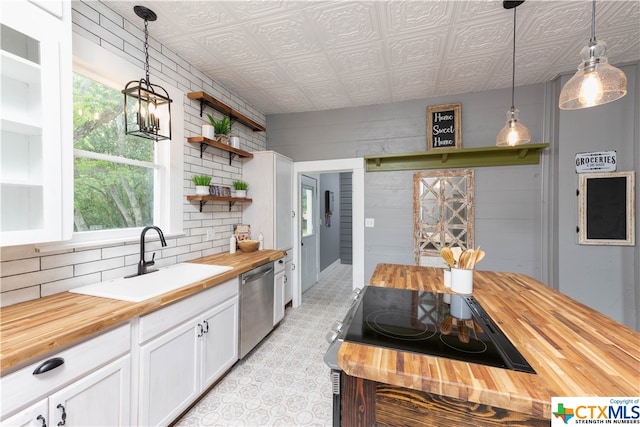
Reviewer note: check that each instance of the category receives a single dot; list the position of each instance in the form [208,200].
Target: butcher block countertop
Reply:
[36,328]
[574,350]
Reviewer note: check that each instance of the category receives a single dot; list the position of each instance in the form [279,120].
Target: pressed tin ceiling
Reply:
[293,56]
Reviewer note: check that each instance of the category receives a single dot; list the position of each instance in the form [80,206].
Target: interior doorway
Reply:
[309,231]
[356,167]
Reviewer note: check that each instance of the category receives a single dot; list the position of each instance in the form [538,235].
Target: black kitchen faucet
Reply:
[142,264]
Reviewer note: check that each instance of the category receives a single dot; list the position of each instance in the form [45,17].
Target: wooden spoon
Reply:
[447,256]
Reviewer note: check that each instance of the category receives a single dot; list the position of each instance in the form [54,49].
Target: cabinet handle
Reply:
[206,326]
[285,278]
[200,330]
[42,420]
[293,214]
[48,365]
[64,415]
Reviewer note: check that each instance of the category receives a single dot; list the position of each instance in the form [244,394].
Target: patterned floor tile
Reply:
[284,381]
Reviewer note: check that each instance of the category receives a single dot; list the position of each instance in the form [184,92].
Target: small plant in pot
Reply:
[221,128]
[202,184]
[241,188]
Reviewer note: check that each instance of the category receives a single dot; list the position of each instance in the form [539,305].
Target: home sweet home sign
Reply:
[444,127]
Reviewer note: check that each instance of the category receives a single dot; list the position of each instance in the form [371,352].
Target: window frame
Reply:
[103,66]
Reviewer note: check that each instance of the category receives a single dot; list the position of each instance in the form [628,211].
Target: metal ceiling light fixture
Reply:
[513,132]
[147,107]
[596,82]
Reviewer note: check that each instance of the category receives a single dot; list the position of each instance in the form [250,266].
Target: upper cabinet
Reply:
[36,123]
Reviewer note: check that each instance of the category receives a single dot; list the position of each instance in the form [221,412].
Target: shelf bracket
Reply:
[201,108]
[378,161]
[444,158]
[202,203]
[523,153]
[231,156]
[231,205]
[203,147]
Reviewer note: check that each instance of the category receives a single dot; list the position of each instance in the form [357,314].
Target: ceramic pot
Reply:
[207,131]
[461,280]
[202,190]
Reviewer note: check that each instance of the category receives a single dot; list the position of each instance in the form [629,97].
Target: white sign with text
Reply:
[598,161]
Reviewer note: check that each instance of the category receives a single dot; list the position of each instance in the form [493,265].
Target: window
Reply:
[307,211]
[113,172]
[442,212]
[121,183]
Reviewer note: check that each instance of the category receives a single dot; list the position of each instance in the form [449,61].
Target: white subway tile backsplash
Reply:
[27,274]
[36,278]
[71,258]
[66,284]
[10,268]
[96,266]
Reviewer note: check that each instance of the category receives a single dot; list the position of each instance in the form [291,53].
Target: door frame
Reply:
[315,214]
[355,166]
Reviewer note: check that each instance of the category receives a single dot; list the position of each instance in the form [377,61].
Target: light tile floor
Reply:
[284,381]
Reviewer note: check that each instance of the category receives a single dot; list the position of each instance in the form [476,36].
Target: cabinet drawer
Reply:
[22,387]
[168,317]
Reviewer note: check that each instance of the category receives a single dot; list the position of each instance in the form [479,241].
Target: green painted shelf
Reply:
[528,154]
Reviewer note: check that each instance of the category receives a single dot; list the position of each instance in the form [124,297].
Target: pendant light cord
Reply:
[146,51]
[513,64]
[593,23]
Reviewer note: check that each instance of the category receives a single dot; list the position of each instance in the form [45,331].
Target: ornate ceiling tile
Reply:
[366,58]
[399,17]
[340,23]
[417,50]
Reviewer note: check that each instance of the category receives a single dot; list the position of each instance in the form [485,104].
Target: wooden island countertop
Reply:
[575,350]
[36,328]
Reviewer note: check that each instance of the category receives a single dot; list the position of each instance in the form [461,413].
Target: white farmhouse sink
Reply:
[141,288]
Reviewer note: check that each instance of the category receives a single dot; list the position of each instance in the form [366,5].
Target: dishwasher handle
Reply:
[256,276]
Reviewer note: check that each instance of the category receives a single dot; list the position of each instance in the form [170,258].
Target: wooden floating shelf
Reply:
[528,154]
[204,199]
[206,99]
[204,142]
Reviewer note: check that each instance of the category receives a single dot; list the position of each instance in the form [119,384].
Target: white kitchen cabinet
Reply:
[36,141]
[270,178]
[89,395]
[185,348]
[278,291]
[288,277]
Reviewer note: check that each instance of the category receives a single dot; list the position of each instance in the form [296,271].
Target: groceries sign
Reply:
[598,161]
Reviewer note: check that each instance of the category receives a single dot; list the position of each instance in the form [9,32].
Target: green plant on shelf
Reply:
[222,126]
[201,180]
[240,185]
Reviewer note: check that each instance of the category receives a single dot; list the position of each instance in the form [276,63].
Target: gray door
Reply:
[309,231]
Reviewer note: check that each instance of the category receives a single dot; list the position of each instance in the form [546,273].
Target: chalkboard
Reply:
[444,129]
[606,208]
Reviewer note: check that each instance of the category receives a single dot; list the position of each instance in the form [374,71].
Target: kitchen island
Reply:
[574,350]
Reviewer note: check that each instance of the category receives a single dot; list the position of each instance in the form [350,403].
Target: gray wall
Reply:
[346,218]
[329,235]
[525,216]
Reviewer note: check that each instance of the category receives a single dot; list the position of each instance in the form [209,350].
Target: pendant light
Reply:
[596,82]
[513,132]
[147,107]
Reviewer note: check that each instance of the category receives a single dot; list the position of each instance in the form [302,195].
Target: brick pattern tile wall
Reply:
[26,274]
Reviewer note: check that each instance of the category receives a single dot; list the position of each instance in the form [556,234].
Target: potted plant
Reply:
[221,128]
[241,188]
[202,184]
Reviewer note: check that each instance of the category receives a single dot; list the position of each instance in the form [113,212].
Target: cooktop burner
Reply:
[444,325]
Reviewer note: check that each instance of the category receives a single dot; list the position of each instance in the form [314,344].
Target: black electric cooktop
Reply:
[443,325]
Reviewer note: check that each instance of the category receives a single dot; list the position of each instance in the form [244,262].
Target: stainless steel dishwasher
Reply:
[256,307]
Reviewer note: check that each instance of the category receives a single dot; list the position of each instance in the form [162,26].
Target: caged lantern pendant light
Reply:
[513,132]
[596,82]
[147,107]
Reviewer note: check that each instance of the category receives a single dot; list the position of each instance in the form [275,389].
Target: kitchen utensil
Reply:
[447,256]
[464,258]
[456,253]
[480,255]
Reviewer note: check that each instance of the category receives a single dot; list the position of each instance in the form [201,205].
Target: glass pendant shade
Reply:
[595,83]
[147,110]
[513,132]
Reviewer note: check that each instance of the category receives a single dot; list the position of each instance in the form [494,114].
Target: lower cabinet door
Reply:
[168,374]
[220,346]
[101,398]
[34,415]
[278,298]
